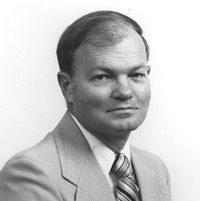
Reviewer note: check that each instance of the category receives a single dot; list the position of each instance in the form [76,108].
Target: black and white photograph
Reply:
[99,100]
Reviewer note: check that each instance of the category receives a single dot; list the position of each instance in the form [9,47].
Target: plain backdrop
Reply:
[31,103]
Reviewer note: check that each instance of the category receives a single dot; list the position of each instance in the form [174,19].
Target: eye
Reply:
[101,77]
[139,75]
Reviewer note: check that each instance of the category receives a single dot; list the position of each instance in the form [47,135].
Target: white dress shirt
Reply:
[104,155]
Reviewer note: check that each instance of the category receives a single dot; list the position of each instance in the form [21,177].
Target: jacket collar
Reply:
[78,163]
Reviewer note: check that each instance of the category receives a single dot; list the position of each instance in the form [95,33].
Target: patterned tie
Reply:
[127,189]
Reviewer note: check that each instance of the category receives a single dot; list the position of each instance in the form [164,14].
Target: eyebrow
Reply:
[110,69]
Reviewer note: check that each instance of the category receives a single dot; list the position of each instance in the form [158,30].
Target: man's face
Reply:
[111,89]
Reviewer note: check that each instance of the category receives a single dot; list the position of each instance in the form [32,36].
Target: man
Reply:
[87,157]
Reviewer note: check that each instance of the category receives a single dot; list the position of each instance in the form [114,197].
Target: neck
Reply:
[116,145]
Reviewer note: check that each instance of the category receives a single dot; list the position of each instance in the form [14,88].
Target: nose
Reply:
[123,89]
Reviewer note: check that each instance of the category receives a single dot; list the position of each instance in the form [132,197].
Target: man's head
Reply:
[104,75]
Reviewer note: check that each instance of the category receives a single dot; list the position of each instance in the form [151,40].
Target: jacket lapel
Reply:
[146,179]
[92,184]
[78,163]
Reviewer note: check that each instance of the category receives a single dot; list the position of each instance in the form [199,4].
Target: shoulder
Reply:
[31,172]
[153,163]
[42,153]
[146,156]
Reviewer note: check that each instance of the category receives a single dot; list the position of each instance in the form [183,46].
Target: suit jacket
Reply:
[62,167]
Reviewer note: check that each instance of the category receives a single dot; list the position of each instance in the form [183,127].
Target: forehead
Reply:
[128,52]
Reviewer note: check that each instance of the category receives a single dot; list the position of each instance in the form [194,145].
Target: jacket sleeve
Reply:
[163,179]
[168,182]
[23,179]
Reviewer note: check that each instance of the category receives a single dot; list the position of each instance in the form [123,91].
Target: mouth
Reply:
[123,109]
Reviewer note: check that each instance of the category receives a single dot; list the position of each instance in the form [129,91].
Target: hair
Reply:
[95,28]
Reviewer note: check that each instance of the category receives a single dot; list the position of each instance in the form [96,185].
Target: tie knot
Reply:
[122,166]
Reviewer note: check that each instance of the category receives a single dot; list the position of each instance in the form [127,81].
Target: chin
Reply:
[128,124]
[126,127]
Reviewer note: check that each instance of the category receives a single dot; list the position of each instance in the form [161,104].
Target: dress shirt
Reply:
[104,155]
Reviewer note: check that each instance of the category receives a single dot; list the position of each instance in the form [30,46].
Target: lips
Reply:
[128,108]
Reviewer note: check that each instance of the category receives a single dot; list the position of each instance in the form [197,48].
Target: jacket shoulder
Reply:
[155,164]
[148,158]
[43,153]
[29,175]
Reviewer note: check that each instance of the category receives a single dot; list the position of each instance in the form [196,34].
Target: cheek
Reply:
[144,95]
[91,96]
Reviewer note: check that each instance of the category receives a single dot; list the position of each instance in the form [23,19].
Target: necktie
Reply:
[126,189]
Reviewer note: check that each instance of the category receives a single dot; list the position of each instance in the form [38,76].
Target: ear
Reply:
[148,69]
[66,85]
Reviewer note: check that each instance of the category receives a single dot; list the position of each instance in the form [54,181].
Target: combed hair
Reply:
[94,28]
